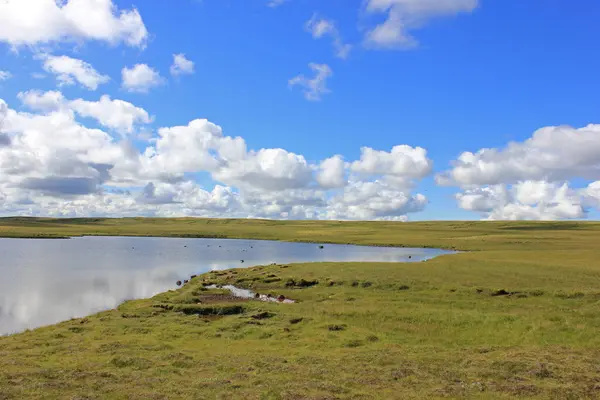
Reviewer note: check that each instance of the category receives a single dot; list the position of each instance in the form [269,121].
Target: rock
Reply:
[281,298]
[184,245]
[178,283]
[321,246]
[193,276]
[332,283]
[269,295]
[186,281]
[294,321]
[257,296]
[409,256]
[242,261]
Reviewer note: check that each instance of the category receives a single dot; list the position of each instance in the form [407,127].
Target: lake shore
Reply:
[515,315]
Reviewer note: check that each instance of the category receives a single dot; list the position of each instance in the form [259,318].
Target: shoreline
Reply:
[428,257]
[192,236]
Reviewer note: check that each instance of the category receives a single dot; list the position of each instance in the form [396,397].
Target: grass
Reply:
[516,315]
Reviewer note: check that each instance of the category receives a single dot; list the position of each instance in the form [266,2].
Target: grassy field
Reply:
[515,315]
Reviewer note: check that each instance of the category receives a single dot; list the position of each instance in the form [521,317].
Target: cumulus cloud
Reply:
[140,78]
[34,22]
[61,185]
[528,200]
[591,195]
[186,148]
[400,166]
[374,201]
[5,75]
[553,153]
[114,114]
[403,16]
[267,169]
[70,70]
[331,173]
[52,164]
[38,101]
[51,155]
[181,65]
[285,204]
[529,179]
[119,115]
[316,87]
[320,27]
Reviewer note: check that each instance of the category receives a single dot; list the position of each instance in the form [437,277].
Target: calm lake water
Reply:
[45,281]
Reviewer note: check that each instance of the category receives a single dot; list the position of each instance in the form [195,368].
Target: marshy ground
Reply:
[515,315]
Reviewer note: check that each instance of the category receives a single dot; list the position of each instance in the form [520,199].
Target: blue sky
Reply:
[478,74]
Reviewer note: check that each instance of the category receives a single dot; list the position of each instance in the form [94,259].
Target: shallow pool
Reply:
[44,281]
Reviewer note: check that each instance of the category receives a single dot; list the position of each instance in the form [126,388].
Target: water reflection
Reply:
[46,281]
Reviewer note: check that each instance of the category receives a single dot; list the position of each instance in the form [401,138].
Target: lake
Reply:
[45,281]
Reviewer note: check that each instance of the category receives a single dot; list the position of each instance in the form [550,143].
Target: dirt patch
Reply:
[219,298]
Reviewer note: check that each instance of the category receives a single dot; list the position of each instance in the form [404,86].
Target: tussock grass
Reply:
[515,315]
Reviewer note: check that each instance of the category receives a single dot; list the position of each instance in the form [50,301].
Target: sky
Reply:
[400,110]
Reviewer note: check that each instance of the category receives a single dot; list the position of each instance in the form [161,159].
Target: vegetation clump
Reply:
[302,283]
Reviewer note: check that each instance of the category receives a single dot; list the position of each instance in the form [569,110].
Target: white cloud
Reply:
[34,22]
[70,70]
[52,164]
[332,173]
[399,167]
[114,114]
[529,179]
[140,78]
[182,149]
[52,155]
[46,101]
[316,87]
[320,27]
[285,204]
[374,201]
[181,65]
[528,200]
[404,16]
[5,75]
[266,169]
[591,195]
[553,153]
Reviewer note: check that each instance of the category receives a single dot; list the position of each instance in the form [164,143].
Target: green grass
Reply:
[436,329]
